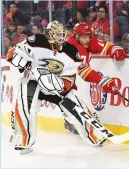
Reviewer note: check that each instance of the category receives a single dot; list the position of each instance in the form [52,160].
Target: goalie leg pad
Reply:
[26,108]
[68,106]
[84,129]
[116,139]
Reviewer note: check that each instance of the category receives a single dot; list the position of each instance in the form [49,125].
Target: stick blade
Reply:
[120,138]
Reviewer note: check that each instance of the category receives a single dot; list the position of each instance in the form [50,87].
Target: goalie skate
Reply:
[24,150]
[70,127]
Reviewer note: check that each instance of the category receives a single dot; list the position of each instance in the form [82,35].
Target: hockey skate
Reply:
[14,141]
[70,127]
[24,150]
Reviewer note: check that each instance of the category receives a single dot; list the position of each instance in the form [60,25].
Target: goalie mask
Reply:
[55,32]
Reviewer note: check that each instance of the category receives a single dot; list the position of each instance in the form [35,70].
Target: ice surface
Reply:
[54,150]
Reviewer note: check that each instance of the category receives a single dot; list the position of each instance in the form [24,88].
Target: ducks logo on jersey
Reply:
[54,66]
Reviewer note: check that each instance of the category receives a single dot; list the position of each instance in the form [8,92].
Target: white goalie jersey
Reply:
[63,63]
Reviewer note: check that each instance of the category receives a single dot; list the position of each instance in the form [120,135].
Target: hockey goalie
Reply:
[49,65]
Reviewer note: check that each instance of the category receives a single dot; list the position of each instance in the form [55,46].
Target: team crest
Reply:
[54,66]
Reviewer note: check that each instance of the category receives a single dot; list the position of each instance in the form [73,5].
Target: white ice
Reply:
[63,151]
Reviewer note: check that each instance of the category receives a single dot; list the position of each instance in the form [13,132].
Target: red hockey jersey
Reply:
[95,46]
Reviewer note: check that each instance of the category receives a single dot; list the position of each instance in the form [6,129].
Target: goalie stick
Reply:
[72,107]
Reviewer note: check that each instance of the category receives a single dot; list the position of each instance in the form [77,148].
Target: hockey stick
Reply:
[118,93]
[71,106]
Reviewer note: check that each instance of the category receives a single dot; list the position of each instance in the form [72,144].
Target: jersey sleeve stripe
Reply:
[86,74]
[82,69]
[104,51]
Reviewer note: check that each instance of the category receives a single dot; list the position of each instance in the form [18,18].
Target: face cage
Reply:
[57,36]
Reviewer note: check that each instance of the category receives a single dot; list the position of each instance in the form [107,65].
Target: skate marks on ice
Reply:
[63,151]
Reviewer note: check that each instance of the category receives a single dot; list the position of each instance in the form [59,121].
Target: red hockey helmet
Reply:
[83,29]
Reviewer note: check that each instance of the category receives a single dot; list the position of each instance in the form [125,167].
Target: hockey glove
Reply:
[20,55]
[118,53]
[108,85]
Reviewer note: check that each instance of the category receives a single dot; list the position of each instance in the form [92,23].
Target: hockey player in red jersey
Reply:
[49,66]
[87,43]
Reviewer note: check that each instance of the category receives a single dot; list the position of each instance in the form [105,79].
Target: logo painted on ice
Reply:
[98,97]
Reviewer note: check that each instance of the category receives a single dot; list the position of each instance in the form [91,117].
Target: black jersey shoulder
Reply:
[38,40]
[71,51]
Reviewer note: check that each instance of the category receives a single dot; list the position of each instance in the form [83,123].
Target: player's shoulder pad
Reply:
[72,52]
[38,40]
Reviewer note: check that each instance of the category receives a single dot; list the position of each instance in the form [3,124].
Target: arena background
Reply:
[32,17]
